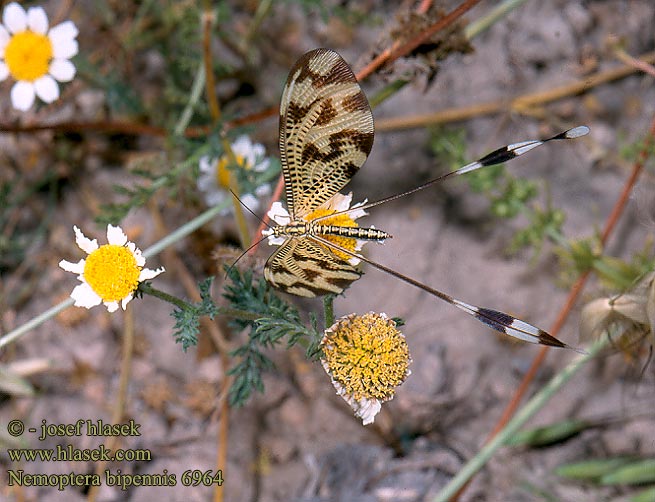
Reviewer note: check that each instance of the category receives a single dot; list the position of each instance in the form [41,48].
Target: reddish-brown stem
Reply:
[397,50]
[108,127]
[387,56]
[210,82]
[575,291]
[610,224]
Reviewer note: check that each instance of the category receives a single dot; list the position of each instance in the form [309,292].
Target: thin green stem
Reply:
[186,229]
[239,314]
[263,8]
[328,310]
[387,91]
[170,239]
[194,97]
[146,288]
[522,416]
[500,11]
[118,412]
[34,322]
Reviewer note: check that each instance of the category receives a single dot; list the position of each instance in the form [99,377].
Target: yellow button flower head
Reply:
[111,273]
[366,357]
[33,55]
[214,179]
[336,204]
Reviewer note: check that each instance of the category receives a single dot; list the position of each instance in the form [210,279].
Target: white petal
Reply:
[140,260]
[112,306]
[353,260]
[76,268]
[258,150]
[65,49]
[216,197]
[263,165]
[4,40]
[272,239]
[339,202]
[37,20]
[206,182]
[207,164]
[263,190]
[147,274]
[62,69]
[358,213]
[242,146]
[116,236]
[86,245]
[46,88]
[251,155]
[63,32]
[14,18]
[4,71]
[278,214]
[22,95]
[250,201]
[84,296]
[365,408]
[126,300]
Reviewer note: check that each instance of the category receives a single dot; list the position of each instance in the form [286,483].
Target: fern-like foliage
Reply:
[187,320]
[279,320]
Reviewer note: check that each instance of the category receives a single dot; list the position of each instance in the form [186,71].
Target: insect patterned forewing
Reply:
[326,130]
[304,268]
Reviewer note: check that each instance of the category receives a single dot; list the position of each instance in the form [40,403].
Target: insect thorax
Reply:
[303,228]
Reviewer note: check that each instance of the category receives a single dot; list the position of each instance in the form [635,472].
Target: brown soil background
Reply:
[299,441]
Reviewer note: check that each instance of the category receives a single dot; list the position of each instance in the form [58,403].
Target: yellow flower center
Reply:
[112,272]
[367,355]
[341,220]
[223,173]
[28,55]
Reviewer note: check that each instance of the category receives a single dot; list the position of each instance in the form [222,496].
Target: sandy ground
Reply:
[299,441]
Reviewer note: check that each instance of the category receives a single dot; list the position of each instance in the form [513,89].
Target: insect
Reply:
[326,134]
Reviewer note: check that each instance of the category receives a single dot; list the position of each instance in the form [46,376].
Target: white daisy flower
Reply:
[366,357]
[111,273]
[35,57]
[336,204]
[214,179]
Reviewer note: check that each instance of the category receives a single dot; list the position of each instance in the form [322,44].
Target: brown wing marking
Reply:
[326,130]
[303,267]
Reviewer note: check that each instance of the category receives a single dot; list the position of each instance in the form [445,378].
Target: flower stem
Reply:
[186,229]
[34,322]
[531,407]
[328,309]
[146,288]
[194,97]
[156,248]
[498,12]
[118,412]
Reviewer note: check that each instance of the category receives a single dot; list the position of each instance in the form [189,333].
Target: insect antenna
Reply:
[499,321]
[252,246]
[503,154]
[264,222]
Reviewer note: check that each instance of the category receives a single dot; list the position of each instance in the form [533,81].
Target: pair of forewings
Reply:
[326,134]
